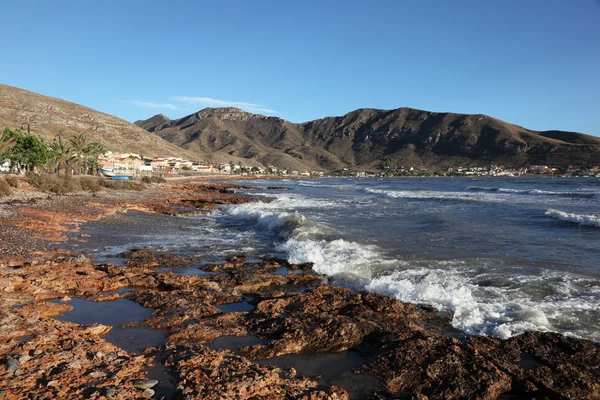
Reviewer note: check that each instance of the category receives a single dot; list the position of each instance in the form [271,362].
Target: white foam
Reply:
[337,258]
[499,312]
[437,195]
[581,219]
[573,193]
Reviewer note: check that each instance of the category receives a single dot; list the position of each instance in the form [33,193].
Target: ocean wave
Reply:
[449,285]
[304,240]
[311,184]
[580,193]
[491,310]
[580,219]
[434,195]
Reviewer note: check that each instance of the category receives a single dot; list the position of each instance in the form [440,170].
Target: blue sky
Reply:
[535,63]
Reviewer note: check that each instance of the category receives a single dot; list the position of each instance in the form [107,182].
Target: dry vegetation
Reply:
[68,184]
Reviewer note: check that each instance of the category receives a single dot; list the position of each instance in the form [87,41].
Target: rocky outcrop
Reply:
[406,350]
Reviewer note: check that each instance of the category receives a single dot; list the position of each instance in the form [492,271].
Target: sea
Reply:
[503,256]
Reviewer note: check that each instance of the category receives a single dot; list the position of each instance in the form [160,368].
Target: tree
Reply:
[82,150]
[386,162]
[61,156]
[28,151]
[93,166]
[6,141]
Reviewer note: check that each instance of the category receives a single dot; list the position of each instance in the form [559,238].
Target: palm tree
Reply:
[93,165]
[79,144]
[62,154]
[83,149]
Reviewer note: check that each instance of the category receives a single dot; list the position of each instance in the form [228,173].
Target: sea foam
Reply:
[580,219]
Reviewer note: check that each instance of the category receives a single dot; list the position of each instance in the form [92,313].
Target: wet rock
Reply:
[145,384]
[327,319]
[97,329]
[148,393]
[220,375]
[12,366]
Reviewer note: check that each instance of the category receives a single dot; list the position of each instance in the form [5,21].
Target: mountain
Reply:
[49,117]
[153,123]
[361,139]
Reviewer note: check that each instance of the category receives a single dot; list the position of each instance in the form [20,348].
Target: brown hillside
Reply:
[49,117]
[362,138]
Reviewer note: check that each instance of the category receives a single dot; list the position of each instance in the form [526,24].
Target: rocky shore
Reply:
[250,327]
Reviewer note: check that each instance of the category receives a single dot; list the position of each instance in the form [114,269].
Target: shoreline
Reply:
[398,348]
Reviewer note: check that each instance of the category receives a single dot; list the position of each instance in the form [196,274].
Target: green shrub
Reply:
[13,181]
[5,189]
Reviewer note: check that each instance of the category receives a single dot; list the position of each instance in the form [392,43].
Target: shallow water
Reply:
[503,255]
[116,313]
[331,368]
[242,306]
[234,342]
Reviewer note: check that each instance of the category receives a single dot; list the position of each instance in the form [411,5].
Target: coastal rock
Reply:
[411,350]
[12,366]
[97,329]
[208,374]
[145,384]
[327,319]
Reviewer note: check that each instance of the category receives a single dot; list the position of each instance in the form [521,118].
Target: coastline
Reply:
[402,349]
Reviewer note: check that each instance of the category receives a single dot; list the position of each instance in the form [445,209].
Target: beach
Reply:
[86,314]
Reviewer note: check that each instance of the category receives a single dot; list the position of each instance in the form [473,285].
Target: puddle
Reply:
[528,361]
[234,342]
[243,306]
[167,384]
[25,338]
[116,313]
[333,369]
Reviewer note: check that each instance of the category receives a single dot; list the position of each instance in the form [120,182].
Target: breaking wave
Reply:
[451,286]
[434,195]
[581,193]
[304,240]
[580,219]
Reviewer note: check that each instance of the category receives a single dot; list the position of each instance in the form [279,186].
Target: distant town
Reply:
[174,166]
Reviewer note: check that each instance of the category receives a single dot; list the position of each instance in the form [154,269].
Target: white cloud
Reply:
[210,102]
[148,104]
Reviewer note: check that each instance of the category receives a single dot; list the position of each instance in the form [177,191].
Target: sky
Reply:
[535,63]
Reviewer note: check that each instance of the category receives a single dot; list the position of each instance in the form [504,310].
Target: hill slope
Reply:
[49,117]
[362,138]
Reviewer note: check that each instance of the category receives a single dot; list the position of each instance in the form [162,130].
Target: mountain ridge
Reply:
[362,138]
